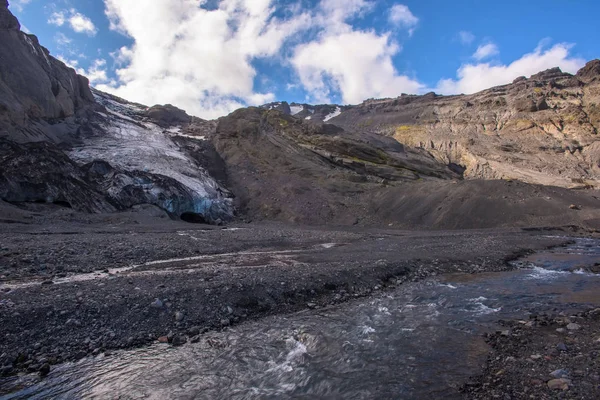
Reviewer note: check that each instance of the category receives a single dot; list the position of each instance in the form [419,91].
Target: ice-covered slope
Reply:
[128,140]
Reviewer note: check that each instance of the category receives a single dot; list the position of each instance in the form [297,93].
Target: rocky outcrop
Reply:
[40,172]
[167,115]
[541,130]
[34,88]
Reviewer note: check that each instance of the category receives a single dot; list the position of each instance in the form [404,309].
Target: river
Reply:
[422,340]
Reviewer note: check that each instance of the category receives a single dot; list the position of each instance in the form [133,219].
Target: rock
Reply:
[44,369]
[163,339]
[311,305]
[195,339]
[590,71]
[559,373]
[225,322]
[156,304]
[561,347]
[35,86]
[179,340]
[535,357]
[167,115]
[573,326]
[560,330]
[574,207]
[179,316]
[525,105]
[559,384]
[193,331]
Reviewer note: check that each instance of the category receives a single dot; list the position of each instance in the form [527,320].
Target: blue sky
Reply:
[210,57]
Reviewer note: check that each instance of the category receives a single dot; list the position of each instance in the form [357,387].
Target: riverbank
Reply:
[73,290]
[550,356]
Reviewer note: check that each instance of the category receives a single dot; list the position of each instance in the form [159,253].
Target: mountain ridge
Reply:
[395,162]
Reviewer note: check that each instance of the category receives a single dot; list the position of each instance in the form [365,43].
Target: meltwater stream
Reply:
[422,340]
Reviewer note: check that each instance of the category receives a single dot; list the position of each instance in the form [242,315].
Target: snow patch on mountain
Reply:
[334,114]
[296,109]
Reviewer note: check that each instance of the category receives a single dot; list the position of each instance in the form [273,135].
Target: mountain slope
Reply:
[541,130]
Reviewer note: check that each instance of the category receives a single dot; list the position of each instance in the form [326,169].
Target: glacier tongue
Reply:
[130,143]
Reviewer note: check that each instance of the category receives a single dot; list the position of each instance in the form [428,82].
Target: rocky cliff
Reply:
[542,129]
[36,90]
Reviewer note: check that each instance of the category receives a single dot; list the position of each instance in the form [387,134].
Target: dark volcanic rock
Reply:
[39,172]
[7,20]
[33,85]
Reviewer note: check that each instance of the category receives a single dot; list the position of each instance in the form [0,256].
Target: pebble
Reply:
[163,339]
[561,347]
[573,326]
[179,340]
[195,339]
[535,357]
[559,373]
[559,384]
[156,304]
[560,330]
[193,331]
[179,316]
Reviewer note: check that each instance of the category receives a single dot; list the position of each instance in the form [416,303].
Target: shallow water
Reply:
[421,340]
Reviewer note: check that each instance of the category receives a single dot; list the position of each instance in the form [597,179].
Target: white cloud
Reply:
[472,78]
[82,24]
[62,40]
[357,64]
[96,73]
[466,37]
[77,21]
[486,51]
[402,16]
[197,59]
[57,18]
[18,5]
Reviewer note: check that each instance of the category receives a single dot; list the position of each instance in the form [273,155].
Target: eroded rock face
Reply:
[40,172]
[34,87]
[541,130]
